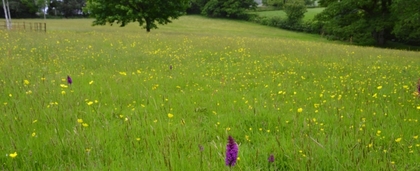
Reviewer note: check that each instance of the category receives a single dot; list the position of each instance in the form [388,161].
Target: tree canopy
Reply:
[371,21]
[407,26]
[145,12]
[228,8]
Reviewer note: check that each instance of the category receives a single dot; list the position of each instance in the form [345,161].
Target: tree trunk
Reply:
[379,37]
[148,24]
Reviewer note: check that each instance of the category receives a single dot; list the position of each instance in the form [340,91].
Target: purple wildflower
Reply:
[201,148]
[69,80]
[271,158]
[231,152]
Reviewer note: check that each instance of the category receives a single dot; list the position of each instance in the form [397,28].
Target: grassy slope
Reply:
[228,78]
[188,25]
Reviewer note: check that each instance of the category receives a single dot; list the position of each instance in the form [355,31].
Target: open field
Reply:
[309,15]
[168,99]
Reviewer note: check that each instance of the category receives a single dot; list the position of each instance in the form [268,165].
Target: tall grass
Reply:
[167,100]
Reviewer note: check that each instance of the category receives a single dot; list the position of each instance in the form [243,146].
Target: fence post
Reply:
[45,27]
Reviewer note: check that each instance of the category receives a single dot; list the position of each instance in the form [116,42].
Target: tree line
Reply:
[37,8]
[371,21]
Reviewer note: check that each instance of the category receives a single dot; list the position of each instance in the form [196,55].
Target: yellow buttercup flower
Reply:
[13,155]
[300,110]
[398,140]
[80,120]
[170,115]
[26,82]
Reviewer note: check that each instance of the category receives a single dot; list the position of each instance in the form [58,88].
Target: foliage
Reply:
[310,2]
[70,8]
[407,25]
[364,22]
[35,8]
[228,8]
[145,12]
[274,3]
[325,3]
[281,3]
[22,8]
[196,6]
[276,21]
[295,10]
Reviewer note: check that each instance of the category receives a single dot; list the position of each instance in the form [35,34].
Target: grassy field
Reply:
[309,15]
[169,99]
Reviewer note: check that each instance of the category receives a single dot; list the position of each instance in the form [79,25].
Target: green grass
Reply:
[313,104]
[309,15]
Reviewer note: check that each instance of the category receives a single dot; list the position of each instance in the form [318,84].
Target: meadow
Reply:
[169,99]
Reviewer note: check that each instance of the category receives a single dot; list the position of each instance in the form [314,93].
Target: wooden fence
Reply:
[26,26]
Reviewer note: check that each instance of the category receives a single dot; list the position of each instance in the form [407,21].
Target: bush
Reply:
[308,26]
[229,8]
[295,10]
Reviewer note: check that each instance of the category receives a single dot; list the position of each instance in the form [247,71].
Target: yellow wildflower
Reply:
[300,110]
[13,155]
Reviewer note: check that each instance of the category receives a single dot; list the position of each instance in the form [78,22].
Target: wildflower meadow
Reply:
[203,94]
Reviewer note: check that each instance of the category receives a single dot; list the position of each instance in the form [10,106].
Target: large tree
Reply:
[362,21]
[407,26]
[145,12]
